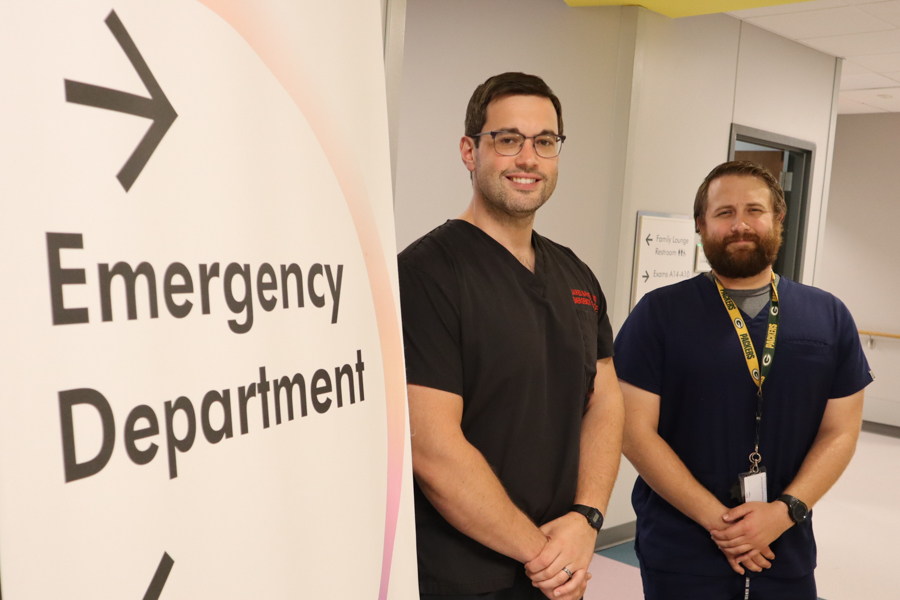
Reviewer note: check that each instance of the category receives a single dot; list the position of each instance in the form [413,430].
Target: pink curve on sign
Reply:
[270,39]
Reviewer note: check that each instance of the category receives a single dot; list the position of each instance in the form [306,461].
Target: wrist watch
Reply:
[797,510]
[593,516]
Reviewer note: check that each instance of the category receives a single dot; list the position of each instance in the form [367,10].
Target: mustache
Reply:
[523,171]
[741,237]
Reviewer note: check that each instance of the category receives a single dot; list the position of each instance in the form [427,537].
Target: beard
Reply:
[512,205]
[743,262]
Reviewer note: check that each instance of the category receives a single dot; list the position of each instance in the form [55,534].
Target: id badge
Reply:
[753,486]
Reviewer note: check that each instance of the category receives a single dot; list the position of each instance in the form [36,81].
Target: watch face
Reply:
[593,516]
[799,512]
[796,509]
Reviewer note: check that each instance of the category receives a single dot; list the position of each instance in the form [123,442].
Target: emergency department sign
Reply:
[203,391]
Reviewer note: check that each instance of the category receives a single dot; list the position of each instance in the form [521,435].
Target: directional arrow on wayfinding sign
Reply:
[648,239]
[646,276]
[159,578]
[156,107]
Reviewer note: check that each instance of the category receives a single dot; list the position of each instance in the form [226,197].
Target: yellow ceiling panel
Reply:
[686,8]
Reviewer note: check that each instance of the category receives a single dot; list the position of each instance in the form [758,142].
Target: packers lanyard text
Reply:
[758,375]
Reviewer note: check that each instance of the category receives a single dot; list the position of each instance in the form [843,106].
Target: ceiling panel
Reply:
[887,99]
[866,81]
[877,42]
[822,23]
[787,8]
[851,107]
[880,63]
[887,11]
[851,68]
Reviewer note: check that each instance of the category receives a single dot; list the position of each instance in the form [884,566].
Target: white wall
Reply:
[859,259]
[683,99]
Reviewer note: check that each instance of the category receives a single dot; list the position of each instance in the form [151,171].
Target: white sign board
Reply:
[203,392]
[664,252]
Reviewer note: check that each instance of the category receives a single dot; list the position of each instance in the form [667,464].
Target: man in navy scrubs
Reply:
[515,410]
[743,394]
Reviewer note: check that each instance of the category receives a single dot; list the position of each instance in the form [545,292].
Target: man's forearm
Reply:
[463,488]
[571,537]
[757,524]
[601,440]
[831,451]
[459,482]
[658,464]
[663,471]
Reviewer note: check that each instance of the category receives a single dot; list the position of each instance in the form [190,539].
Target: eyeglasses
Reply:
[510,143]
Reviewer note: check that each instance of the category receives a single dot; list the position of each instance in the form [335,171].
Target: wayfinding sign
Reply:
[664,252]
[203,391]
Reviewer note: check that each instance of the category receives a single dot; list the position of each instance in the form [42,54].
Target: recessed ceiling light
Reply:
[885,96]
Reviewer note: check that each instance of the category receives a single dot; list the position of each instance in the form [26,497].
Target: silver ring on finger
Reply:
[568,572]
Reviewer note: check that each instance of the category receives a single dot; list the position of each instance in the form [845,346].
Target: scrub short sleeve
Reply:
[605,346]
[431,330]
[640,352]
[852,373]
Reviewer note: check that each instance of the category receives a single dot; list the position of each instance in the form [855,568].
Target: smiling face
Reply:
[740,232]
[513,187]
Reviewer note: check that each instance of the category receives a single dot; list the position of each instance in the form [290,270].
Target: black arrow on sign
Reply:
[156,107]
[646,276]
[648,239]
[159,579]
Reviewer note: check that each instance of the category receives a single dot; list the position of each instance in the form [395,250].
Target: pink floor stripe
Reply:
[613,580]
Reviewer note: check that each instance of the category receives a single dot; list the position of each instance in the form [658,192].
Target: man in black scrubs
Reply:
[515,411]
[743,395]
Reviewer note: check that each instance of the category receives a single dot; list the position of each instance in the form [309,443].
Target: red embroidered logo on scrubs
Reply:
[582,297]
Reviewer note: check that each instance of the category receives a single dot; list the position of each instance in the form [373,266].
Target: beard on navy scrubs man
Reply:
[697,416]
[515,411]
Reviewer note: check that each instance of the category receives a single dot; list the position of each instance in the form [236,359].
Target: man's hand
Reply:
[756,525]
[573,589]
[755,563]
[570,544]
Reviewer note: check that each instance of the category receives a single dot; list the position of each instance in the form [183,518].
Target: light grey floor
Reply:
[858,525]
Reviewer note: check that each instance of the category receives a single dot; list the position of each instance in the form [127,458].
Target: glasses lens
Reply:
[508,143]
[547,146]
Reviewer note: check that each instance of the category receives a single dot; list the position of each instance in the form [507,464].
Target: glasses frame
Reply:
[494,134]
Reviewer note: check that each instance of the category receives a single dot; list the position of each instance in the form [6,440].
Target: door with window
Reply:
[790,160]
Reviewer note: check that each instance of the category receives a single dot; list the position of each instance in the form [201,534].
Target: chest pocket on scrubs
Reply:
[808,350]
[811,364]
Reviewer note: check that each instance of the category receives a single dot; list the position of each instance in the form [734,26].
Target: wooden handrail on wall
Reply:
[896,336]
[874,334]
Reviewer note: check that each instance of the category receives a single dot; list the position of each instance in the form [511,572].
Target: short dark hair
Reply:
[506,84]
[743,168]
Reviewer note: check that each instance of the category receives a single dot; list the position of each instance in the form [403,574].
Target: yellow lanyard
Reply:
[743,333]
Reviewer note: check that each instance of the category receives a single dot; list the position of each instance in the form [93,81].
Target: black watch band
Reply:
[797,510]
[594,517]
